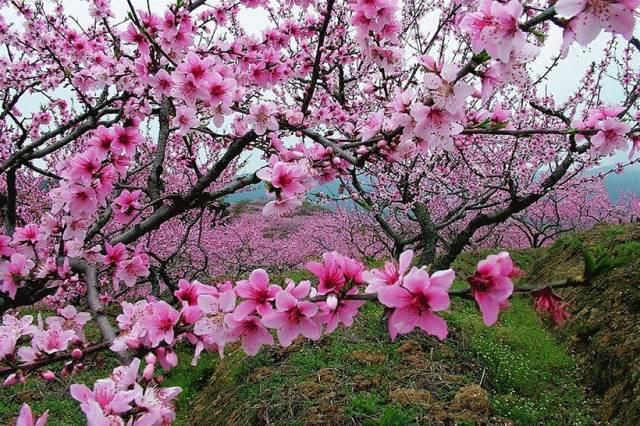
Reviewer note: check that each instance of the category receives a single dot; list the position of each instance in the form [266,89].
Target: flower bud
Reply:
[150,358]
[11,380]
[147,373]
[76,354]
[332,301]
[48,375]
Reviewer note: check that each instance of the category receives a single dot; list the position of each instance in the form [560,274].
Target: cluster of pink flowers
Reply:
[127,397]
[89,177]
[210,317]
[611,132]
[126,267]
[378,31]
[22,340]
[287,182]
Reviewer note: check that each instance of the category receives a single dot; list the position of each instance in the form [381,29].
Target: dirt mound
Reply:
[605,328]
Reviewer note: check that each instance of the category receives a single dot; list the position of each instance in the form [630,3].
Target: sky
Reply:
[562,81]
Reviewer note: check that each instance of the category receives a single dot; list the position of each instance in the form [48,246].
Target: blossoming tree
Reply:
[120,139]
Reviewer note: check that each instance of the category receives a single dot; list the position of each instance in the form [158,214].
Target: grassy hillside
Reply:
[605,328]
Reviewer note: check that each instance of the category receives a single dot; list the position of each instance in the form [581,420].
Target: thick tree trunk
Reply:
[428,234]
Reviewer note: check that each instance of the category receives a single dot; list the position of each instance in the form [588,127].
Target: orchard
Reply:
[122,135]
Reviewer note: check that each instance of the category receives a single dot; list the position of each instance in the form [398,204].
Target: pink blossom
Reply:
[82,200]
[293,317]
[185,120]
[26,417]
[262,117]
[160,323]
[448,93]
[14,272]
[130,270]
[125,376]
[53,339]
[162,83]
[125,140]
[84,166]
[343,312]
[105,392]
[592,16]
[258,295]
[114,254]
[610,137]
[288,179]
[545,301]
[391,274]
[435,125]
[70,318]
[126,205]
[251,333]
[211,327]
[491,284]
[494,27]
[416,300]
[29,234]
[329,272]
[158,403]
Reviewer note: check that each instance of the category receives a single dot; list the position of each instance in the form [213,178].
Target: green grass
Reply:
[530,374]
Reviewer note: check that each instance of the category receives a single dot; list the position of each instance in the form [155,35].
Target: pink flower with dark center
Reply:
[160,324]
[447,92]
[130,270]
[293,317]
[416,300]
[83,167]
[491,284]
[343,312]
[14,272]
[391,274]
[611,136]
[288,179]
[494,28]
[101,140]
[125,140]
[53,339]
[82,200]
[28,234]
[185,120]
[105,392]
[114,254]
[162,83]
[126,205]
[262,117]
[251,333]
[258,295]
[329,272]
